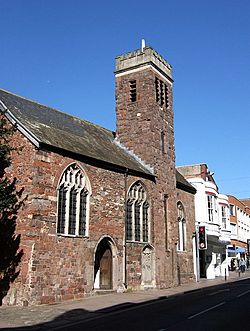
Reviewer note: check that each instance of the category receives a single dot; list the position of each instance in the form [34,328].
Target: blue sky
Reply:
[62,54]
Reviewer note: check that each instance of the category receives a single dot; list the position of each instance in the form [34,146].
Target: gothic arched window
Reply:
[73,202]
[137,214]
[181,227]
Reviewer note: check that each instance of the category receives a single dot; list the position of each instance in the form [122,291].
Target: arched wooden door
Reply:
[106,270]
[103,266]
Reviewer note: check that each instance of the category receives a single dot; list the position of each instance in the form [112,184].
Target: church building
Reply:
[105,211]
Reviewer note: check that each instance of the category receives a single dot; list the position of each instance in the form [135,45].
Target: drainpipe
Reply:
[125,226]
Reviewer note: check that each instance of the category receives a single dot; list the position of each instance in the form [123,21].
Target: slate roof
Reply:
[183,184]
[52,128]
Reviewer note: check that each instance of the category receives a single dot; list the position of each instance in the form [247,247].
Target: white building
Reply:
[211,211]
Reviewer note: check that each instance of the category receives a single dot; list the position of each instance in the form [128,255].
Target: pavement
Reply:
[56,316]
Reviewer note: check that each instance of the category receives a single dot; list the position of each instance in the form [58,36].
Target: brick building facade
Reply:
[240,227]
[104,210]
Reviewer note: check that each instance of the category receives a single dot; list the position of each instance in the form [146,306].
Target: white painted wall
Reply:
[213,229]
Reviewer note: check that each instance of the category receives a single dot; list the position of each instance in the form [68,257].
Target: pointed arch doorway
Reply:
[103,267]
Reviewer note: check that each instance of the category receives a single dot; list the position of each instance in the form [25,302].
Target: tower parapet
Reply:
[140,58]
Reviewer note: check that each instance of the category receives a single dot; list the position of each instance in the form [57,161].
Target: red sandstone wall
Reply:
[56,268]
[185,259]
[139,127]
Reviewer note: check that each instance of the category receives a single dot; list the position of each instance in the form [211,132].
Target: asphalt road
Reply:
[225,307]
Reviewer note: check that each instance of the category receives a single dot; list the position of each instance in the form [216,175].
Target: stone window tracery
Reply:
[73,202]
[137,214]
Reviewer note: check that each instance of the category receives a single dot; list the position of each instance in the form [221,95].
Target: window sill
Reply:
[137,242]
[71,235]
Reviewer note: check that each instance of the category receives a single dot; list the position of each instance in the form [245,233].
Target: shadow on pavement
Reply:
[46,320]
[62,320]
[75,316]
[70,317]
[67,320]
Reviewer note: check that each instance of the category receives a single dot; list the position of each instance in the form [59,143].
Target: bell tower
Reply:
[144,106]
[144,115]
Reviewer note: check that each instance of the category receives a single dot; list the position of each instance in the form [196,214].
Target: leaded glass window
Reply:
[61,209]
[137,214]
[72,211]
[129,221]
[83,212]
[73,202]
[145,221]
[137,221]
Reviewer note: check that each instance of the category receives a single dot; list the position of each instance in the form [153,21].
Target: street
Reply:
[219,307]
[223,308]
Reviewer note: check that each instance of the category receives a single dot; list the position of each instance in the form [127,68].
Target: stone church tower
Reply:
[101,211]
[145,127]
